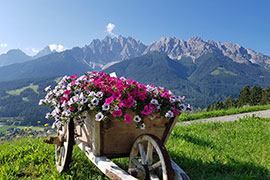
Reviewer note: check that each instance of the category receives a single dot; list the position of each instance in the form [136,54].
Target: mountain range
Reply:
[203,71]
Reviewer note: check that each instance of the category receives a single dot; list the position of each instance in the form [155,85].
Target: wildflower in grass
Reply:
[99,116]
[46,124]
[36,150]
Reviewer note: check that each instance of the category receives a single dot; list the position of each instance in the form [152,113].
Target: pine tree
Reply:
[265,96]
[228,103]
[255,95]
[244,97]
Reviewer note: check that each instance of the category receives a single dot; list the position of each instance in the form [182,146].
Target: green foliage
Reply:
[247,97]
[222,112]
[233,150]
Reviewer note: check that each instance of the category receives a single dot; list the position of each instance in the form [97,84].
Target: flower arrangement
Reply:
[109,96]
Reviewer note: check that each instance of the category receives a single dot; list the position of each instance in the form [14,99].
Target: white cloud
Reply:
[58,48]
[4,45]
[109,28]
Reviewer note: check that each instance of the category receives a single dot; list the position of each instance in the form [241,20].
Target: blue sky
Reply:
[30,25]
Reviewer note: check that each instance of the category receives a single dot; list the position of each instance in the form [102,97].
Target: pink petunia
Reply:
[71,109]
[127,118]
[117,113]
[73,77]
[109,100]
[67,92]
[146,111]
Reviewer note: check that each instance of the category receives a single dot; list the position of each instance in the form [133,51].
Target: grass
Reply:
[211,151]
[221,71]
[203,115]
[17,92]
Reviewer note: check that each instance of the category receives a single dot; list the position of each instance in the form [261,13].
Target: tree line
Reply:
[248,96]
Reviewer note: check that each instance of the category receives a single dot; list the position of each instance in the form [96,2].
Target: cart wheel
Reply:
[149,159]
[63,151]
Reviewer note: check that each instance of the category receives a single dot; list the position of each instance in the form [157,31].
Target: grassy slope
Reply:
[19,91]
[202,115]
[234,150]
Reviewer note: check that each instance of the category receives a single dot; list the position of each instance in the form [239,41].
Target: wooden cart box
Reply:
[113,138]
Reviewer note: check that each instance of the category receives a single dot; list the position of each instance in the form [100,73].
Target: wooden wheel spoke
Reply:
[142,153]
[149,154]
[137,163]
[155,166]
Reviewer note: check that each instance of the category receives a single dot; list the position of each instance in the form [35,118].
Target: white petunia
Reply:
[152,116]
[182,107]
[79,108]
[92,94]
[142,127]
[48,88]
[172,99]
[105,107]
[42,101]
[169,114]
[48,115]
[137,118]
[99,116]
[95,101]
[99,94]
[91,107]
[154,101]
[116,108]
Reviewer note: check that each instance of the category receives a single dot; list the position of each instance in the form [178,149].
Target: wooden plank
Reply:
[96,138]
[109,168]
[117,137]
[169,130]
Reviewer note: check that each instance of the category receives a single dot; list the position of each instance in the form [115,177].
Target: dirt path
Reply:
[265,114]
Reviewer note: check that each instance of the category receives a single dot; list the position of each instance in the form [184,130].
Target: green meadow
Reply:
[231,150]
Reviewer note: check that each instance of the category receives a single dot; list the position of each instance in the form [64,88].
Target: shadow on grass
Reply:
[196,169]
[197,141]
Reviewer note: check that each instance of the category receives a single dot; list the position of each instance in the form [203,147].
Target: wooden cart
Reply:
[101,141]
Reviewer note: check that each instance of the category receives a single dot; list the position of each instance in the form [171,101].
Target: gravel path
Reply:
[265,114]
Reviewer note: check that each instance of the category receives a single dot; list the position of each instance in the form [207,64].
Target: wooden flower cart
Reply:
[103,140]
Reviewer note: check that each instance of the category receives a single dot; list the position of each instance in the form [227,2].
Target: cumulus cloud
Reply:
[58,48]
[109,28]
[3,45]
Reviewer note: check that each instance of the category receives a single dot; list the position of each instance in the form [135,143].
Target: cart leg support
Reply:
[109,168]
